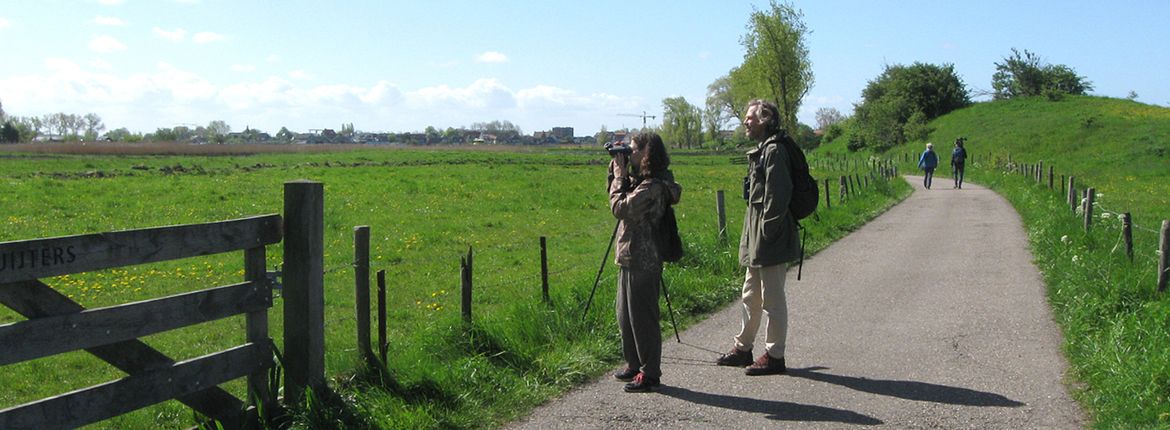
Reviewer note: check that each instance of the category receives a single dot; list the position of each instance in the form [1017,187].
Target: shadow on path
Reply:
[785,411]
[909,390]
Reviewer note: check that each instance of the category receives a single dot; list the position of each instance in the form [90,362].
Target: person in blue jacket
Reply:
[928,162]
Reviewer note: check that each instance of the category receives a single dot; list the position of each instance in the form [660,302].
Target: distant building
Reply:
[563,134]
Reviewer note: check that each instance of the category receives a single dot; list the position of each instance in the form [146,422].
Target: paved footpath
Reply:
[930,316]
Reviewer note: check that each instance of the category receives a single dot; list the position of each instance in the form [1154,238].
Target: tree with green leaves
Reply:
[284,135]
[9,133]
[1026,75]
[603,136]
[217,131]
[776,61]
[827,117]
[905,96]
[681,122]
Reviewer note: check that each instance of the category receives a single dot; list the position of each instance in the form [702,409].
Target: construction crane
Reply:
[643,115]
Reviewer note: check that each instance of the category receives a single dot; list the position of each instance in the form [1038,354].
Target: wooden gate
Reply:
[55,324]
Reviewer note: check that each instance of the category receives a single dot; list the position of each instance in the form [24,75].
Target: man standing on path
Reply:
[770,241]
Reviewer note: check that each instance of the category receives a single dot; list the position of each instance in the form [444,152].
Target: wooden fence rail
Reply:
[57,324]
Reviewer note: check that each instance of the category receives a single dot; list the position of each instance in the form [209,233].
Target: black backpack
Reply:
[805,192]
[670,246]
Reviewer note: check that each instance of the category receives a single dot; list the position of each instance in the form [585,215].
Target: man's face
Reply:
[753,124]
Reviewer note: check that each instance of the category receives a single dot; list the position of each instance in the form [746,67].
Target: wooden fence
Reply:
[56,324]
[1085,203]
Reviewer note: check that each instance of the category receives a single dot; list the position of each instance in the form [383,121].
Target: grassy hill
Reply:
[1115,323]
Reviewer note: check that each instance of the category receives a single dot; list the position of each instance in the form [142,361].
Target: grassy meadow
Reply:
[1116,330]
[425,208]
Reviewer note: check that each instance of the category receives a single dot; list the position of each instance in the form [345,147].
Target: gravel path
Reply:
[930,316]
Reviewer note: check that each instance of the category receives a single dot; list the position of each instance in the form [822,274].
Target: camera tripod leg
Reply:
[612,237]
[669,308]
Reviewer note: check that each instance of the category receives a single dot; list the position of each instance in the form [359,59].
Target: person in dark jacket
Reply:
[928,162]
[641,189]
[769,242]
[958,162]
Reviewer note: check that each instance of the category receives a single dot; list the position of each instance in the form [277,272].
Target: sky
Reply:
[401,66]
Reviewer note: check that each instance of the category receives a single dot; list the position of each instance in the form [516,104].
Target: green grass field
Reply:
[425,209]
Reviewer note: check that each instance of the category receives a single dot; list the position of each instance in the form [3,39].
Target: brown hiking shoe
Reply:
[735,358]
[626,375]
[766,365]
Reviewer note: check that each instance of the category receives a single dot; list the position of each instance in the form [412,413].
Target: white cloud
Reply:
[168,95]
[4,23]
[176,35]
[243,68]
[482,94]
[106,44]
[491,57]
[108,21]
[207,37]
[272,58]
[111,2]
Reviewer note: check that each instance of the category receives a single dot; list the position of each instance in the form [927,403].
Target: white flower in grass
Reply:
[1064,239]
[1076,258]
[1106,215]
[1100,195]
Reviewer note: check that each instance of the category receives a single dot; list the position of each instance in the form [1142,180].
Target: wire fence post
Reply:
[466,265]
[721,211]
[1127,234]
[361,285]
[1072,193]
[1164,256]
[828,194]
[1090,194]
[383,343]
[544,270]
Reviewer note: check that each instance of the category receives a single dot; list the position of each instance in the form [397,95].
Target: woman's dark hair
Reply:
[654,158]
[768,113]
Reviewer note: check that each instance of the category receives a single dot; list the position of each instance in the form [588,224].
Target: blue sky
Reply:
[405,65]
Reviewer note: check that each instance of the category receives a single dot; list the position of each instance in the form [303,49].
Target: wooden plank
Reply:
[34,299]
[257,329]
[42,337]
[89,405]
[27,260]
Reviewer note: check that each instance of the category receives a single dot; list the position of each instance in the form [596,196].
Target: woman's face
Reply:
[636,154]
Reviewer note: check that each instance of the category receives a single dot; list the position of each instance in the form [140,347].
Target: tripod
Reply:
[597,280]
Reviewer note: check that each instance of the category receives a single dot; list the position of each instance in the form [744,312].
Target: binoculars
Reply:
[616,148]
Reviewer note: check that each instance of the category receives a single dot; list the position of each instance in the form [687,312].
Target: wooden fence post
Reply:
[304,296]
[1051,176]
[1127,234]
[1063,190]
[466,286]
[1072,193]
[828,194]
[721,211]
[544,270]
[1090,195]
[844,188]
[383,343]
[1164,256]
[361,285]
